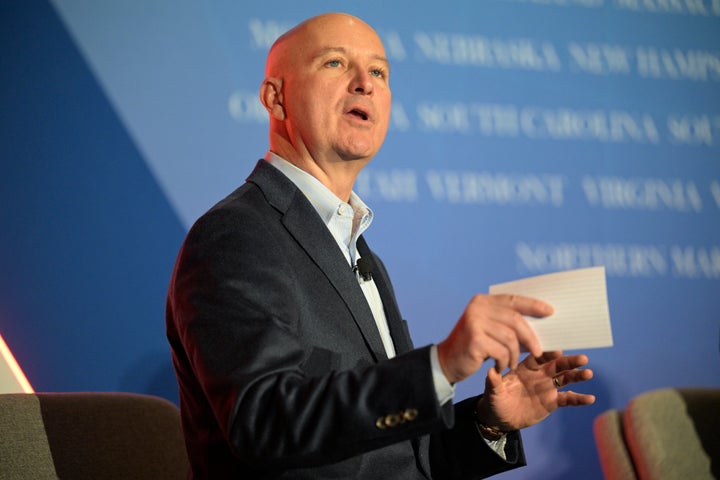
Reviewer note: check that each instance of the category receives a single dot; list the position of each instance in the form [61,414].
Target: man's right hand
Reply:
[492,326]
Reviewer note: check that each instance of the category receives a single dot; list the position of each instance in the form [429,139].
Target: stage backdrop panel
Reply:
[526,137]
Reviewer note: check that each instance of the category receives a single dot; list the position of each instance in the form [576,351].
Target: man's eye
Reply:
[333,63]
[377,73]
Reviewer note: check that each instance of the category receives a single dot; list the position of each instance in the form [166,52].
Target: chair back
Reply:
[670,433]
[90,436]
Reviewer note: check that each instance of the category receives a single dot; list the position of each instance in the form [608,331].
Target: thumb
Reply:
[493,380]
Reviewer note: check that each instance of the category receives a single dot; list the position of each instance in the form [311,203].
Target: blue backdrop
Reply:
[527,136]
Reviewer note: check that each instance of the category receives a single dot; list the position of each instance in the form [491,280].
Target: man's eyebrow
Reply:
[326,50]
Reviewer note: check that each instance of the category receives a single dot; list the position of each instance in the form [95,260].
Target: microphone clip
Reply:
[364,267]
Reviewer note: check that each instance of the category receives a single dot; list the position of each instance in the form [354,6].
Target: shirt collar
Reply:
[325,202]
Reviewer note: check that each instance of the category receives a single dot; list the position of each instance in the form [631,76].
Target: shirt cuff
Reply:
[445,392]
[498,446]
[443,389]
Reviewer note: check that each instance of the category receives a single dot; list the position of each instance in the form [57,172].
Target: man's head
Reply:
[327,92]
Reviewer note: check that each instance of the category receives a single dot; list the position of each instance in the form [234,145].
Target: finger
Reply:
[527,337]
[499,317]
[548,357]
[575,376]
[525,305]
[572,399]
[523,332]
[500,354]
[570,362]
[505,347]
[520,306]
[494,379]
[512,348]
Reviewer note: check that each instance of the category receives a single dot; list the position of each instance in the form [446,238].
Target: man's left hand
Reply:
[532,391]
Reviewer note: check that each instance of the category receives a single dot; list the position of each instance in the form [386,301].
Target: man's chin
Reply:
[356,153]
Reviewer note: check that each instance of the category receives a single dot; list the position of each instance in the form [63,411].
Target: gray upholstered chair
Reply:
[90,436]
[671,433]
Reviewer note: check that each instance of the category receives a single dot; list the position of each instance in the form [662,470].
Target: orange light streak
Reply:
[15,367]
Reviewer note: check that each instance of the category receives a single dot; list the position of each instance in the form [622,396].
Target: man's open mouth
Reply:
[359,113]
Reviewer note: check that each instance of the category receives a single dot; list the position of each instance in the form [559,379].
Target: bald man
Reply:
[292,358]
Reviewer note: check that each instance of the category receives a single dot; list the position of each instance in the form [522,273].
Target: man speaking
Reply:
[292,358]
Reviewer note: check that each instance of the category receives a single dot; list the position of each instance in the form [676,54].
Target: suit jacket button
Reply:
[410,414]
[393,420]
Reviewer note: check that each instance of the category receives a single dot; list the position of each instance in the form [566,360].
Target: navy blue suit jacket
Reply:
[281,369]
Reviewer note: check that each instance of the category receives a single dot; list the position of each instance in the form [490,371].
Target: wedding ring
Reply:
[556,382]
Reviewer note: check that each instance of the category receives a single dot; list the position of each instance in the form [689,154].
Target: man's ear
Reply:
[272,98]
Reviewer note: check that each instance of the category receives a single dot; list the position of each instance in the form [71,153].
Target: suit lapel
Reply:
[304,224]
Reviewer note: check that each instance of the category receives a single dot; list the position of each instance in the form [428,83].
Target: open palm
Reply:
[527,395]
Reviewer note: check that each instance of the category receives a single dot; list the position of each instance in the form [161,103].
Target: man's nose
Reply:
[362,83]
